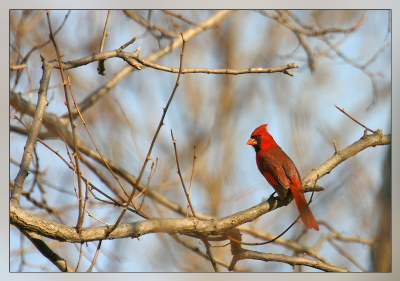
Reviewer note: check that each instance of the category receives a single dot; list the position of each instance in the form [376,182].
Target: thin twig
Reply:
[128,122]
[94,143]
[196,250]
[80,257]
[67,103]
[180,175]
[334,146]
[288,243]
[127,44]
[148,157]
[265,242]
[333,234]
[146,23]
[95,257]
[100,67]
[34,48]
[346,255]
[153,169]
[87,184]
[92,186]
[182,18]
[209,254]
[276,237]
[191,176]
[352,118]
[96,218]
[282,17]
[102,177]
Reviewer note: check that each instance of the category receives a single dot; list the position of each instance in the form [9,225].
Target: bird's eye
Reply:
[258,137]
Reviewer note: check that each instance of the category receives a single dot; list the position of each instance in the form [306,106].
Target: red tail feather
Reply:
[305,213]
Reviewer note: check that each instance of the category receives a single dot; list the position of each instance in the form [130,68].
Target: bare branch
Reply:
[33,132]
[95,257]
[100,67]
[212,22]
[74,137]
[129,56]
[47,252]
[247,254]
[190,226]
[180,175]
[136,17]
[196,250]
[377,138]
[283,17]
[355,120]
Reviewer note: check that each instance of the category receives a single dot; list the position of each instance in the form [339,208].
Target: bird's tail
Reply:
[305,212]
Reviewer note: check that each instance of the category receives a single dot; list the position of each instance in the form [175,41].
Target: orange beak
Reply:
[252,142]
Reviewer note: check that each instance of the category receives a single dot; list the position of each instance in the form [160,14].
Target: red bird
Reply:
[280,172]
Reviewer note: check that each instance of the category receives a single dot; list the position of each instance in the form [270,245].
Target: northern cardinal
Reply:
[280,172]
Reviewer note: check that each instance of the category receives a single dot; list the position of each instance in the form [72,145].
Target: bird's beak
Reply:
[252,142]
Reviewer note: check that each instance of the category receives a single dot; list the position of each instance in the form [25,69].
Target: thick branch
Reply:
[191,226]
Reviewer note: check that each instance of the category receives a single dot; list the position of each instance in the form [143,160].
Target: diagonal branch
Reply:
[148,156]
[180,175]
[377,138]
[74,137]
[33,132]
[47,252]
[355,120]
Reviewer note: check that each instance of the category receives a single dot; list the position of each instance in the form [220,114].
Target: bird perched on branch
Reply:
[280,172]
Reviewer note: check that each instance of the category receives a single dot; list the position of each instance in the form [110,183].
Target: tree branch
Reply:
[247,254]
[48,253]
[190,226]
[340,156]
[212,22]
[33,132]
[128,56]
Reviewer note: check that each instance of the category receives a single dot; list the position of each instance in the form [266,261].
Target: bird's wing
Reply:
[272,169]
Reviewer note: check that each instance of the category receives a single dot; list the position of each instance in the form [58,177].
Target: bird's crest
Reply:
[260,130]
